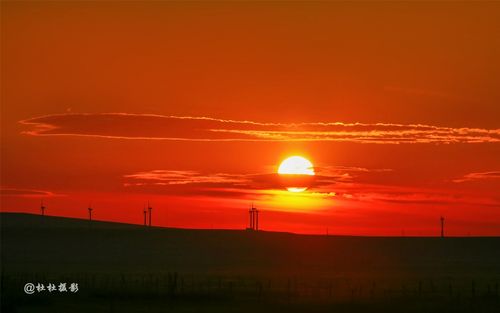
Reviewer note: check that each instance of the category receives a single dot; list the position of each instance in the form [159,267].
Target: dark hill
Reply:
[131,268]
[55,244]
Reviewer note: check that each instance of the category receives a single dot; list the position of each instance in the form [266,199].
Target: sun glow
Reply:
[298,167]
[286,201]
[296,189]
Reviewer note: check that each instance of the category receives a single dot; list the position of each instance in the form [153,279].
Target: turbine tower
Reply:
[42,208]
[250,213]
[90,212]
[145,213]
[149,210]
[254,218]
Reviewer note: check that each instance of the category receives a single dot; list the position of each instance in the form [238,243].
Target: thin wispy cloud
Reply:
[27,193]
[324,176]
[381,193]
[160,127]
[194,180]
[478,176]
[337,170]
[168,177]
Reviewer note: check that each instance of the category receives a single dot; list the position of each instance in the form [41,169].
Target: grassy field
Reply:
[129,268]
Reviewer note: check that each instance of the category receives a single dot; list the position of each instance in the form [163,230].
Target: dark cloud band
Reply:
[160,127]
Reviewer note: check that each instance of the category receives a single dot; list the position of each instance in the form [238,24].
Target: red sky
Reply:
[192,106]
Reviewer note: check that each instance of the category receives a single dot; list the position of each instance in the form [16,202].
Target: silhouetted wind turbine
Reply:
[90,212]
[149,210]
[254,218]
[251,217]
[145,212]
[42,207]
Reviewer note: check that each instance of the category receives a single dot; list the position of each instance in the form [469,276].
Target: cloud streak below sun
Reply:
[338,184]
[161,127]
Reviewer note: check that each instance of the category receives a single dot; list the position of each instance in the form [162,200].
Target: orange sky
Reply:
[192,106]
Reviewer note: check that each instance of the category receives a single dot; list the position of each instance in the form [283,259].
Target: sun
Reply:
[298,167]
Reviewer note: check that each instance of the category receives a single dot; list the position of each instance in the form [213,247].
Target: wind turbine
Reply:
[149,210]
[90,211]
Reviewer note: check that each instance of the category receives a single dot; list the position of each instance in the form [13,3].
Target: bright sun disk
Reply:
[296,165]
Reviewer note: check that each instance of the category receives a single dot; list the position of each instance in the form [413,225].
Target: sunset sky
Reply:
[193,106]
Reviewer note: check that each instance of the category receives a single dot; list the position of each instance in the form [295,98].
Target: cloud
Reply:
[167,177]
[410,195]
[160,127]
[346,173]
[16,192]
[339,182]
[478,176]
[175,179]
[193,180]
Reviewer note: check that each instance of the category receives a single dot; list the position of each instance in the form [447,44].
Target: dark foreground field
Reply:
[125,268]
